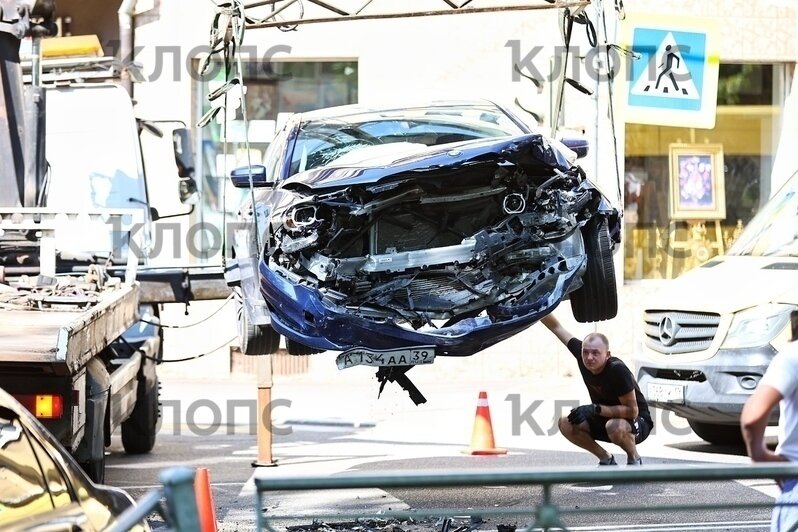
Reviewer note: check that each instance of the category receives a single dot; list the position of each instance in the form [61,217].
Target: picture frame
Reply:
[697,182]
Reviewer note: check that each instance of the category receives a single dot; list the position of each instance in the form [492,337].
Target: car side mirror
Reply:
[184,158]
[240,177]
[579,146]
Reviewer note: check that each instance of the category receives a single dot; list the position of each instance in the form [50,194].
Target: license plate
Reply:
[409,356]
[665,393]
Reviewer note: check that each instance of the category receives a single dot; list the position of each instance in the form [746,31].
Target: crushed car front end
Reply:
[453,247]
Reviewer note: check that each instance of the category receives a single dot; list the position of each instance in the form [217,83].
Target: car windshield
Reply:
[774,230]
[323,142]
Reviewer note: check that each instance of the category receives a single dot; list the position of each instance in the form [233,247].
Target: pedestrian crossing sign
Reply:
[674,79]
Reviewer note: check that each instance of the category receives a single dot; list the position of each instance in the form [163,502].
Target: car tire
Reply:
[139,430]
[300,350]
[597,299]
[256,339]
[717,433]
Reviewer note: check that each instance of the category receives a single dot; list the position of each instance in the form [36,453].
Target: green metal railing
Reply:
[544,515]
[178,509]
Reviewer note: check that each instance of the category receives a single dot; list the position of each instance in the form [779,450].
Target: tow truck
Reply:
[79,333]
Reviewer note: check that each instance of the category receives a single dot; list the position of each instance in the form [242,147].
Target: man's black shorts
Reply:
[598,428]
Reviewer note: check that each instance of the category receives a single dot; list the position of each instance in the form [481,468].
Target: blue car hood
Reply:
[532,153]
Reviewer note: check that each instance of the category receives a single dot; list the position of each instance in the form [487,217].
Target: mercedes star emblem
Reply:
[667,331]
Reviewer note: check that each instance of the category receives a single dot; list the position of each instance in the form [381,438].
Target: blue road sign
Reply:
[674,82]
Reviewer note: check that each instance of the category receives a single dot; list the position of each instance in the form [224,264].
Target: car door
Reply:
[35,494]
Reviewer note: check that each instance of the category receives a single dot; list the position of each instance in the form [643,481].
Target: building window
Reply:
[750,98]
[274,91]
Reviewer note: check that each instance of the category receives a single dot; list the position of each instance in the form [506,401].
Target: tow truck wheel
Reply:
[256,339]
[138,431]
[298,349]
[597,300]
[717,433]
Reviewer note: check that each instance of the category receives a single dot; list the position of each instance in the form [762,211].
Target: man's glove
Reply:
[583,413]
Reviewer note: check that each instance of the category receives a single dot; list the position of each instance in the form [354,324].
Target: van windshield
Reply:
[92,149]
[774,230]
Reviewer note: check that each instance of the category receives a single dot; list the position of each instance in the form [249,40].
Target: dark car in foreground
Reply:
[397,235]
[41,486]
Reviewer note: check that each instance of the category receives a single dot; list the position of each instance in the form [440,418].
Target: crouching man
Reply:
[618,414]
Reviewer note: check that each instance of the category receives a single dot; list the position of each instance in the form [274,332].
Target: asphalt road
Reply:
[325,438]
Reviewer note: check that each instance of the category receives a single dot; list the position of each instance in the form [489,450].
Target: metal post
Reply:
[12,158]
[181,503]
[36,61]
[264,413]
[47,252]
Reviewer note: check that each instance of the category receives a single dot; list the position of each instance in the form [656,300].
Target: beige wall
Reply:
[750,30]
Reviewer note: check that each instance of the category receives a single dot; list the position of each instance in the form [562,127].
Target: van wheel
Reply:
[138,431]
[717,433]
[597,299]
[255,339]
[300,350]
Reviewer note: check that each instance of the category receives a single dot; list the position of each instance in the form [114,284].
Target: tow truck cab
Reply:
[77,346]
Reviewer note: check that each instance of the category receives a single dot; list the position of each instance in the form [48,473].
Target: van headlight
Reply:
[757,326]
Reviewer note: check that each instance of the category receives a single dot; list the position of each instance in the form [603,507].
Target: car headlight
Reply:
[757,326]
[301,217]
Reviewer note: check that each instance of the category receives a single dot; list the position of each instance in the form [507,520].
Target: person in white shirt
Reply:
[779,385]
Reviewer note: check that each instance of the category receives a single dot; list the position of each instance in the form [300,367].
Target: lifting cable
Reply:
[226,38]
[203,320]
[580,17]
[610,78]
[185,359]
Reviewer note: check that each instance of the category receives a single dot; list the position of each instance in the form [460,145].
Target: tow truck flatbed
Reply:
[67,338]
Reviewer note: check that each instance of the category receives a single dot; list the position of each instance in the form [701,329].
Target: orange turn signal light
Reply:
[44,406]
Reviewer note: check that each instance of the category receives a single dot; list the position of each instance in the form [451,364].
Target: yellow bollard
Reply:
[264,433]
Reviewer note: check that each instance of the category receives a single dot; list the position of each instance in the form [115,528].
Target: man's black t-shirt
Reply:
[614,381]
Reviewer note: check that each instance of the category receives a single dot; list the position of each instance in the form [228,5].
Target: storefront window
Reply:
[658,245]
[273,91]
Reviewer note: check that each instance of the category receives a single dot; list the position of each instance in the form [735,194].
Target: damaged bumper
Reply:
[306,314]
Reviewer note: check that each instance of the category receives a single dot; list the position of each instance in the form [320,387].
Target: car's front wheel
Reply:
[597,299]
[255,339]
[717,433]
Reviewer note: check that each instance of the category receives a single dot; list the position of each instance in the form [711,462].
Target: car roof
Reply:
[354,109]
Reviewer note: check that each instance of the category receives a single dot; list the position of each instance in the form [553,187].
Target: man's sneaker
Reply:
[636,461]
[608,461]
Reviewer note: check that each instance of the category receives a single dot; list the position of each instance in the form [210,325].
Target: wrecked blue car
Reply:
[399,235]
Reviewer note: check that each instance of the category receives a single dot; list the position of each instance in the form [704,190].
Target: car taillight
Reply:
[45,406]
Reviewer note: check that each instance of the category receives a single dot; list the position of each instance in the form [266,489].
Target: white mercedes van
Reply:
[711,333]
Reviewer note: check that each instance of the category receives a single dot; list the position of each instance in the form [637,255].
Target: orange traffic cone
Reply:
[482,436]
[207,511]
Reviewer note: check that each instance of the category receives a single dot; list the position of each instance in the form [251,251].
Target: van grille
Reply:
[680,332]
